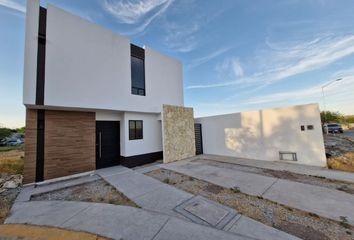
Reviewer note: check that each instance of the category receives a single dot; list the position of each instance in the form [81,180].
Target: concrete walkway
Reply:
[148,193]
[166,212]
[283,166]
[116,222]
[329,203]
[153,195]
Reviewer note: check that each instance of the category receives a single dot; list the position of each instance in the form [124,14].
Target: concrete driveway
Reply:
[325,202]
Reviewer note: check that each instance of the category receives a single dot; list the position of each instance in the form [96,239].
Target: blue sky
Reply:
[237,55]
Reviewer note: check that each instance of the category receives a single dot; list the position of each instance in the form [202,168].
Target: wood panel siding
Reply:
[29,172]
[69,143]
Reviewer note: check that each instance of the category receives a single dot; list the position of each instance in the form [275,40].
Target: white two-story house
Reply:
[93,99]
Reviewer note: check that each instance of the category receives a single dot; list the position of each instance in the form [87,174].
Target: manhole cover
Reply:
[206,212]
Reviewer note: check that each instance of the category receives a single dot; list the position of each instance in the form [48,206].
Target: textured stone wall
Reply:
[178,133]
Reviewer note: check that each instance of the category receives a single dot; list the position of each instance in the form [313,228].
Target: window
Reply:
[310,127]
[135,129]
[138,70]
[288,156]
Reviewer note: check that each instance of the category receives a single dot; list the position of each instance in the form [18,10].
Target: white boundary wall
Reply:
[262,134]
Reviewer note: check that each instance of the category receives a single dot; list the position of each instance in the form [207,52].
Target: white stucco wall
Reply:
[31,46]
[262,134]
[152,135]
[164,78]
[88,66]
[102,115]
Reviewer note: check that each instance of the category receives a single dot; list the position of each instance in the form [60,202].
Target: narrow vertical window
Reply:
[41,56]
[137,61]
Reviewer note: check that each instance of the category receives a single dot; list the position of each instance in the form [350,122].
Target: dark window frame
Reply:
[310,127]
[137,53]
[135,135]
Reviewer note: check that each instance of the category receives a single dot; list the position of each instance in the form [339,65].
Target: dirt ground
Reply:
[98,191]
[7,198]
[307,226]
[30,232]
[312,180]
[11,160]
[340,152]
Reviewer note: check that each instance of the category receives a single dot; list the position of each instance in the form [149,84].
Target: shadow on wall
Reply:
[262,134]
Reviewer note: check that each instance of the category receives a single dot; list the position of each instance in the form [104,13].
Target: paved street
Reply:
[349,134]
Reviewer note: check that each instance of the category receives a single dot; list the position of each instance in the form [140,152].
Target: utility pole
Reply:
[324,101]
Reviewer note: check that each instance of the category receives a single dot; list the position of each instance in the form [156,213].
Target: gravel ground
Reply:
[98,191]
[31,232]
[305,225]
[312,180]
[7,198]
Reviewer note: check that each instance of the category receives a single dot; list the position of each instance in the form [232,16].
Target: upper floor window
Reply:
[138,70]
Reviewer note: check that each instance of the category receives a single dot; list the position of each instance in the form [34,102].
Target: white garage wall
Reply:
[88,66]
[262,134]
[152,135]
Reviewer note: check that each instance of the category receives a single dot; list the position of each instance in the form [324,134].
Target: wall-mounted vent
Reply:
[310,127]
[288,156]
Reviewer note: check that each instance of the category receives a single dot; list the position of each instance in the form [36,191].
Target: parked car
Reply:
[332,128]
[3,142]
[14,142]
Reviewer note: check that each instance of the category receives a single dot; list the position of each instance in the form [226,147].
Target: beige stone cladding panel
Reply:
[178,133]
[29,172]
[69,143]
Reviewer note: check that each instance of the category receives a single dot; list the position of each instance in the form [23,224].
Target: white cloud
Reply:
[232,66]
[182,26]
[199,61]
[333,92]
[139,12]
[12,4]
[180,37]
[314,55]
[284,60]
[338,96]
[211,85]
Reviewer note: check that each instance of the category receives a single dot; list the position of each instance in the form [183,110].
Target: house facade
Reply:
[93,99]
